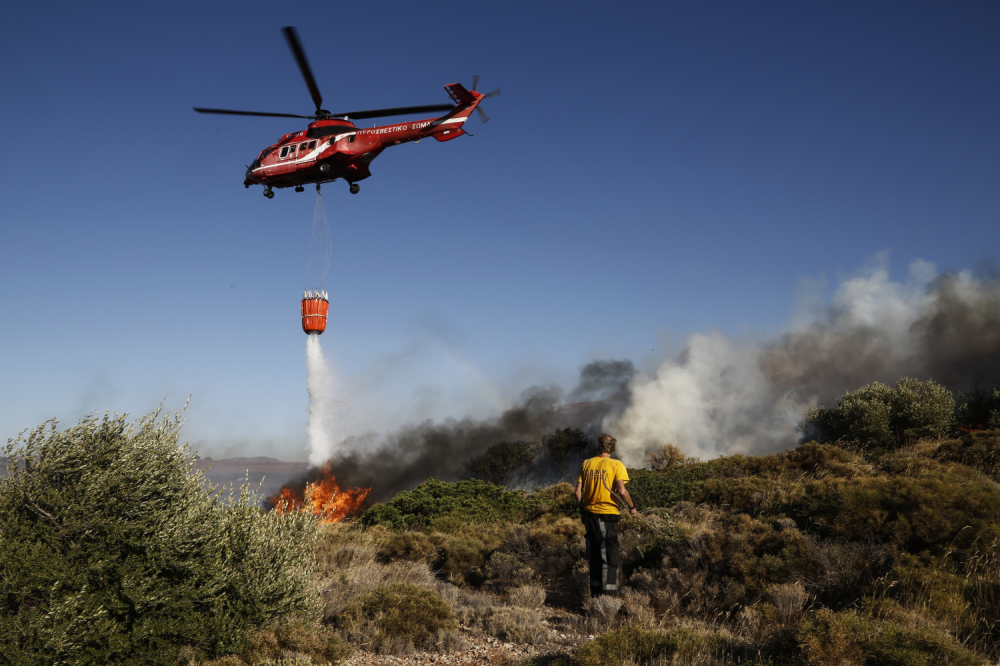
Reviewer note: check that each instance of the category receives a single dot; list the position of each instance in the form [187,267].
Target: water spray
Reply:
[315,308]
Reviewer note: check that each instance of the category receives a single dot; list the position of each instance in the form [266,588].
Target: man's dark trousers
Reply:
[603,552]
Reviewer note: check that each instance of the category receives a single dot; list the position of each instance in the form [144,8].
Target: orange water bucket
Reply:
[315,306]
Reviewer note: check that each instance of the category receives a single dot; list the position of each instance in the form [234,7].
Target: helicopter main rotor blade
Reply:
[398,111]
[300,57]
[249,113]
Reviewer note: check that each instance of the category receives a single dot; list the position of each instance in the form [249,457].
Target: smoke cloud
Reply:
[721,396]
[603,380]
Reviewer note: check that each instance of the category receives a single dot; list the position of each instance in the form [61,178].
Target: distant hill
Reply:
[273,472]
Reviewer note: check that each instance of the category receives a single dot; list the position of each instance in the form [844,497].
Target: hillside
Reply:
[877,543]
[816,555]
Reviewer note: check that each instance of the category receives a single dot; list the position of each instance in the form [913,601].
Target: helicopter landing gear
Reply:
[299,188]
[355,188]
[268,192]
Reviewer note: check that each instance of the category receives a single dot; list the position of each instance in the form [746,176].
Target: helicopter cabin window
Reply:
[284,152]
[350,139]
[304,146]
[312,144]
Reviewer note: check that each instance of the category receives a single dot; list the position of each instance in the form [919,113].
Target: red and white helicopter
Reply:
[332,147]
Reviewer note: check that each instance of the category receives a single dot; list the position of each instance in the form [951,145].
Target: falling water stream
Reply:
[320,248]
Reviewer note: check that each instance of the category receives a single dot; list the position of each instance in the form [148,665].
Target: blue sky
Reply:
[650,170]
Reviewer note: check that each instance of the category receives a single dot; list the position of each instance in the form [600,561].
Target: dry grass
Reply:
[400,618]
[601,612]
[510,623]
[638,609]
[789,599]
[349,567]
[527,596]
[519,620]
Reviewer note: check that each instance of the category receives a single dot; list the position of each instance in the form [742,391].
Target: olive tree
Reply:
[879,416]
[114,548]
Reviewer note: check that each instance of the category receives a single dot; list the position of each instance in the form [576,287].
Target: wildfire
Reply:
[323,498]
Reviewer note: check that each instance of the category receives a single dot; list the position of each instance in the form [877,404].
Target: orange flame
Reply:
[324,499]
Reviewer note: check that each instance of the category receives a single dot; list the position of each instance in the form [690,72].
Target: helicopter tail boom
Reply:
[449,126]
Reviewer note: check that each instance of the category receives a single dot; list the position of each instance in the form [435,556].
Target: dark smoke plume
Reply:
[603,380]
[411,455]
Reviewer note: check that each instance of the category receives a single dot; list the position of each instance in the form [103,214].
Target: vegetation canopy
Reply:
[114,549]
[880,417]
[473,499]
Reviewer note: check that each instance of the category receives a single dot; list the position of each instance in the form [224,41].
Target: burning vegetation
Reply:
[322,497]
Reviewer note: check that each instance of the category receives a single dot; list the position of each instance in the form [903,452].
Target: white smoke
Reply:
[322,402]
[713,399]
[721,396]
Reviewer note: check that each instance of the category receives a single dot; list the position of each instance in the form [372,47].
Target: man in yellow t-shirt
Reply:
[599,510]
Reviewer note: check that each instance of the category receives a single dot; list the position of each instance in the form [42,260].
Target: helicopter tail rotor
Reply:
[483,116]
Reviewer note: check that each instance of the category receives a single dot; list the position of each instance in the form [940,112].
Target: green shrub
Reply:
[961,595]
[811,459]
[555,502]
[919,505]
[661,489]
[544,551]
[473,500]
[863,415]
[859,638]
[395,615]
[454,555]
[113,551]
[978,450]
[879,417]
[731,565]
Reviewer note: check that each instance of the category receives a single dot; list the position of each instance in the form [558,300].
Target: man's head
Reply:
[606,443]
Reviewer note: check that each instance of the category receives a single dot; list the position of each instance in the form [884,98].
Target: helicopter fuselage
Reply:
[335,148]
